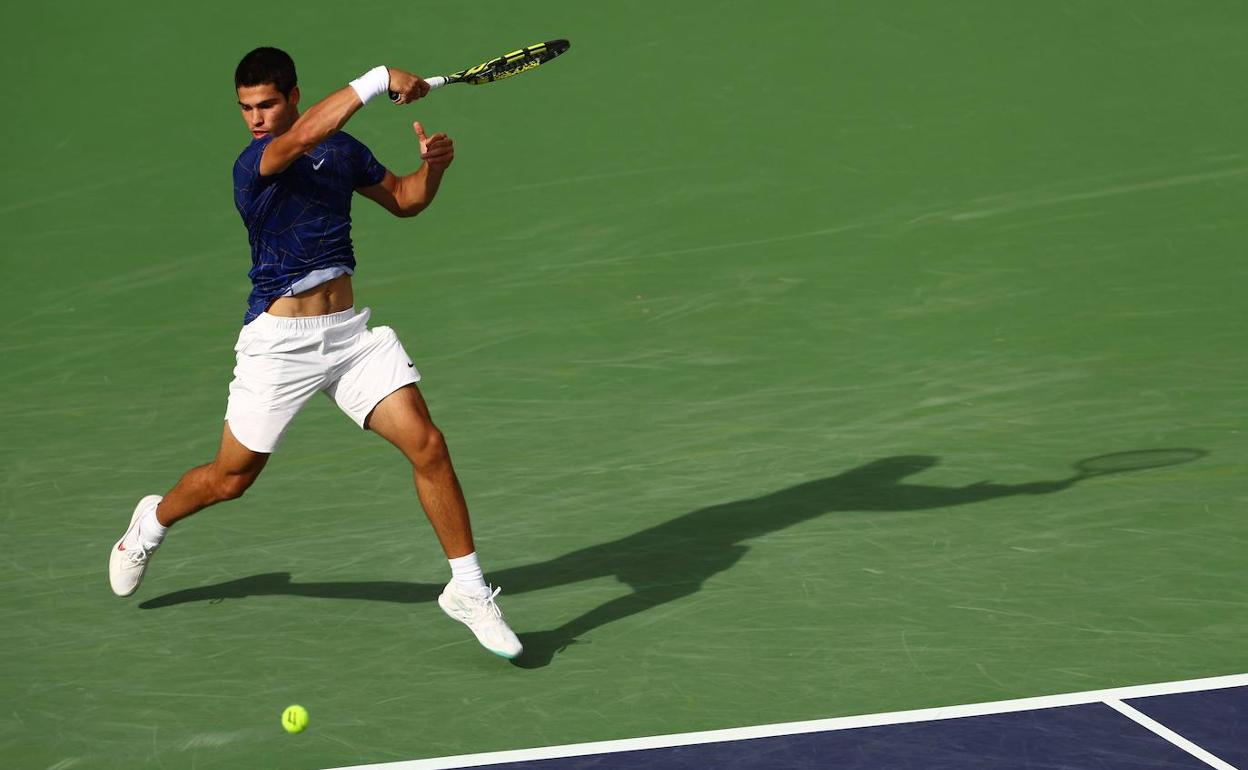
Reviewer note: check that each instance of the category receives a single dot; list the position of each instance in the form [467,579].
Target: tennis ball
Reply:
[294,719]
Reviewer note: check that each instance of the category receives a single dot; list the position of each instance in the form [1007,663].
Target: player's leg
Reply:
[233,470]
[402,418]
[376,386]
[279,367]
[227,477]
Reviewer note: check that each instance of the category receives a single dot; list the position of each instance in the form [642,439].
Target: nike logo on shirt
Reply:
[317,165]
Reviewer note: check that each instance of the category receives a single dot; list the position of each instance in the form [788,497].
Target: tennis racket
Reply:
[504,66]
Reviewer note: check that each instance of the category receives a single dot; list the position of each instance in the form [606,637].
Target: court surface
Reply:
[765,343]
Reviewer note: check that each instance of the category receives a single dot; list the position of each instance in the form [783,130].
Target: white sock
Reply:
[466,574]
[151,533]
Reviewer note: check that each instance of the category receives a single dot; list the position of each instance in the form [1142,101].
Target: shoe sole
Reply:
[456,618]
[134,518]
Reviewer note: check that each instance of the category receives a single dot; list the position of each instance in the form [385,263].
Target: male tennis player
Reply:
[302,334]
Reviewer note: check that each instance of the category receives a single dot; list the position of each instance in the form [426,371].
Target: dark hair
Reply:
[267,65]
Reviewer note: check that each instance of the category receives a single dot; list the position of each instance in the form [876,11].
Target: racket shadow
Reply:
[669,561]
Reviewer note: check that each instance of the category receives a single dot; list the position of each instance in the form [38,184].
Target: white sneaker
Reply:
[483,617]
[129,558]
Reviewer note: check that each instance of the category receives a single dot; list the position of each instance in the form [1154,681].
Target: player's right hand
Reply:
[409,87]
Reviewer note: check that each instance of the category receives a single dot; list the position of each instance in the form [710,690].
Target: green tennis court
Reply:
[764,341]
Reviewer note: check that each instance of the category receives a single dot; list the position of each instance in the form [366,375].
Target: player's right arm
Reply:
[328,116]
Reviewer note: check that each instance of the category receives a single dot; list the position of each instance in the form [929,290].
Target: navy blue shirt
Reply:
[299,221]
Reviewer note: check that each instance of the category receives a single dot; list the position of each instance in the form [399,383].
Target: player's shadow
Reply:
[666,562]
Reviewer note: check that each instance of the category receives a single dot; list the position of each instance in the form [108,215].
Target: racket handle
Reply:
[434,82]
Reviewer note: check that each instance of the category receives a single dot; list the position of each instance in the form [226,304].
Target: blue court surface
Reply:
[1195,724]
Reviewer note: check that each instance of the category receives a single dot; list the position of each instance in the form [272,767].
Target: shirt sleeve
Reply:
[247,180]
[366,171]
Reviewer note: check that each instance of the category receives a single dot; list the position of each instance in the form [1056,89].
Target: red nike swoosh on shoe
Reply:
[121,547]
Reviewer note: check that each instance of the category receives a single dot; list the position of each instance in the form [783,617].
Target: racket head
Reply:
[511,64]
[1137,460]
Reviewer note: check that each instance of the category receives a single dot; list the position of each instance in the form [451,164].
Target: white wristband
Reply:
[375,81]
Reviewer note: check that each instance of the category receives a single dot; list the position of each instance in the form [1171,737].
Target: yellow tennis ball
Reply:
[294,719]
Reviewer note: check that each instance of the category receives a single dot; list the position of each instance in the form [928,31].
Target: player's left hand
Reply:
[437,150]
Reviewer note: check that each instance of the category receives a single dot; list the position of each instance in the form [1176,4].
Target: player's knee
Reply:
[430,450]
[232,486]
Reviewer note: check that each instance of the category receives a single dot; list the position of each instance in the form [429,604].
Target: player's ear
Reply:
[294,97]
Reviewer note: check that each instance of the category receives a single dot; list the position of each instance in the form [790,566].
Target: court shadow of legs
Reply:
[674,559]
[279,584]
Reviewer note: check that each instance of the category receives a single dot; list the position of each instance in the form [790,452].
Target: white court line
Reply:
[820,725]
[1168,734]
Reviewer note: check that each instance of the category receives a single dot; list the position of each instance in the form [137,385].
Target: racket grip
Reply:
[434,82]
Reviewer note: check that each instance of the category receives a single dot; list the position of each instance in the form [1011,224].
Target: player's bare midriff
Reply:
[330,297]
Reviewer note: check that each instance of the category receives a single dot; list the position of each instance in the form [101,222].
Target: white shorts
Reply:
[282,362]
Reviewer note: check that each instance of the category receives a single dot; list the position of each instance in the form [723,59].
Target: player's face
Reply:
[266,111]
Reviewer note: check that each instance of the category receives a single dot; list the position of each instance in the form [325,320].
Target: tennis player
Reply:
[302,334]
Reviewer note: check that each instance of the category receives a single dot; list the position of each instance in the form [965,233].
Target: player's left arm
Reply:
[407,196]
